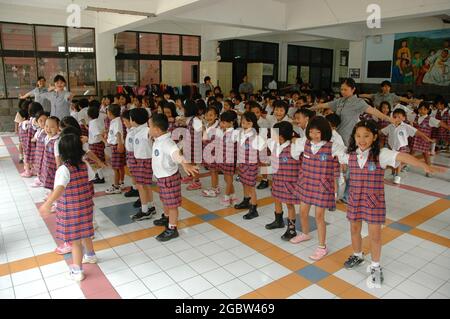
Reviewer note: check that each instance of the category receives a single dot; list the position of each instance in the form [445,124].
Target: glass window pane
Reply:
[20,75]
[127,72]
[170,44]
[304,55]
[149,72]
[82,78]
[255,50]
[50,39]
[316,56]
[2,81]
[149,43]
[190,73]
[50,67]
[240,49]
[17,36]
[191,46]
[126,42]
[80,40]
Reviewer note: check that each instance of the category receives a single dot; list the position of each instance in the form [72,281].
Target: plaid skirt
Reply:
[170,190]
[143,172]
[285,192]
[84,130]
[99,150]
[226,168]
[48,172]
[337,169]
[117,159]
[74,225]
[131,162]
[248,174]
[366,207]
[420,145]
[404,149]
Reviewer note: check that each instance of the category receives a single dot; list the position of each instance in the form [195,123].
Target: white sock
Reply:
[144,207]
[100,173]
[226,197]
[375,265]
[150,204]
[433,148]
[172,226]
[358,254]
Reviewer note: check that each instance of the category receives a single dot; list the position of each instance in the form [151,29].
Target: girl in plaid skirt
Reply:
[73,193]
[39,139]
[209,130]
[366,163]
[30,127]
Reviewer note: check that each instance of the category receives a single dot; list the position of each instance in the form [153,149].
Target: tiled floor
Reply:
[220,255]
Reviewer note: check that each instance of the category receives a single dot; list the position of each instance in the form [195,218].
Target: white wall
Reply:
[379,48]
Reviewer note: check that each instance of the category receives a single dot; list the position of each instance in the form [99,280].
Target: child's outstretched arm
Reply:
[423,136]
[411,160]
[190,169]
[45,209]
[120,146]
[444,125]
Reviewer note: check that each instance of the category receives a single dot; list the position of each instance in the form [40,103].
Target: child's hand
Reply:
[121,148]
[45,209]
[34,140]
[101,164]
[190,169]
[434,169]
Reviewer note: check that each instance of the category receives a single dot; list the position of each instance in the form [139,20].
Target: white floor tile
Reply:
[26,276]
[121,277]
[69,292]
[203,265]
[315,292]
[224,258]
[239,268]
[7,293]
[5,282]
[195,285]
[30,289]
[235,288]
[136,259]
[169,262]
[218,276]
[212,293]
[157,281]
[256,279]
[132,290]
[181,273]
[171,292]
[147,269]
[275,271]
[414,289]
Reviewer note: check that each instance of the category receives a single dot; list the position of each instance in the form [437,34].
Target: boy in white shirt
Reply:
[165,159]
[96,140]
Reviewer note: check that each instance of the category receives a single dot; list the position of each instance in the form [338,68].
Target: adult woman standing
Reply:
[386,96]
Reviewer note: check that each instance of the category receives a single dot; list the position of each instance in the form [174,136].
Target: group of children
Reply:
[281,137]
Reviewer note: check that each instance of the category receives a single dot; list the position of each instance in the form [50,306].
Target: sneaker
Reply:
[319,253]
[113,190]
[37,184]
[99,181]
[167,235]
[75,276]
[237,178]
[194,186]
[213,192]
[186,180]
[163,221]
[90,259]
[233,200]
[65,248]
[137,203]
[143,216]
[225,201]
[263,184]
[132,193]
[21,161]
[354,261]
[26,174]
[397,179]
[300,238]
[122,186]
[376,277]
[428,175]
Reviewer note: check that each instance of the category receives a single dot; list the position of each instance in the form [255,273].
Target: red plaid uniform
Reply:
[247,163]
[28,147]
[48,168]
[209,156]
[286,176]
[419,144]
[39,152]
[84,130]
[381,125]
[99,150]
[225,146]
[170,190]
[117,159]
[143,172]
[131,162]
[366,192]
[317,180]
[75,208]
[440,133]
[192,152]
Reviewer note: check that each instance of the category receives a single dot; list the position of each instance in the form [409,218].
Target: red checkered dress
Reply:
[29,146]
[143,172]
[192,146]
[117,159]
[107,123]
[22,135]
[419,144]
[247,162]
[39,152]
[285,177]
[84,130]
[170,190]
[49,168]
[75,208]
[317,180]
[99,150]
[366,192]
[131,162]
[381,125]
[226,153]
[440,133]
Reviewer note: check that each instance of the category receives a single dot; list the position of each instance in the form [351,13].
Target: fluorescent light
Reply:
[129,12]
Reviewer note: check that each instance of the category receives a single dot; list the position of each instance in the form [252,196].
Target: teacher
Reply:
[246,87]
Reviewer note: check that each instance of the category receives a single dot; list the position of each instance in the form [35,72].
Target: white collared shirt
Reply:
[337,138]
[386,158]
[163,163]
[129,142]
[433,121]
[337,149]
[142,145]
[96,128]
[240,136]
[398,135]
[210,131]
[115,127]
[273,120]
[62,175]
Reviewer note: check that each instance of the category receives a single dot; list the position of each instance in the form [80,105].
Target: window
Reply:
[82,76]
[149,43]
[170,44]
[127,72]
[50,39]
[2,80]
[126,42]
[190,73]
[17,37]
[255,50]
[20,75]
[191,46]
[80,40]
[50,67]
[149,72]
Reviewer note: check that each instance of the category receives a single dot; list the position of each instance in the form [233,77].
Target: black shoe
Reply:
[163,221]
[143,216]
[252,213]
[21,161]
[353,261]
[290,231]
[167,235]
[99,181]
[132,193]
[137,203]
[263,185]
[245,204]
[278,223]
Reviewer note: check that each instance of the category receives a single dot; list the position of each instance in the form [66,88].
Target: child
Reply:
[225,154]
[82,116]
[335,121]
[247,144]
[142,172]
[264,124]
[21,117]
[280,109]
[115,139]
[166,157]
[130,159]
[301,120]
[169,110]
[385,108]
[49,166]
[286,171]
[96,140]
[424,122]
[316,182]
[39,139]
[37,92]
[398,135]
[74,223]
[366,163]
[212,124]
[443,114]
[30,126]
[59,98]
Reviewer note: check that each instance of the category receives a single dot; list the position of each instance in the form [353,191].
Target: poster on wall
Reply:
[304,73]
[354,73]
[292,74]
[422,58]
[268,69]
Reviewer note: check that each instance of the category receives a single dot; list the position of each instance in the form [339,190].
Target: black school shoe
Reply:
[167,235]
[252,213]
[144,215]
[132,193]
[290,231]
[99,180]
[163,221]
[245,204]
[263,184]
[137,203]
[277,223]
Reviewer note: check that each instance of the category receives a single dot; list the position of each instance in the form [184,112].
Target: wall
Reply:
[378,50]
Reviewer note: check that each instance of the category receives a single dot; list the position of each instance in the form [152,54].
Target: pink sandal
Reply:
[319,253]
[300,238]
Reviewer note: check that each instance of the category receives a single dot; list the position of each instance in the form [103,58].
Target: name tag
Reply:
[156,152]
[284,159]
[372,167]
[136,141]
[130,140]
[323,157]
